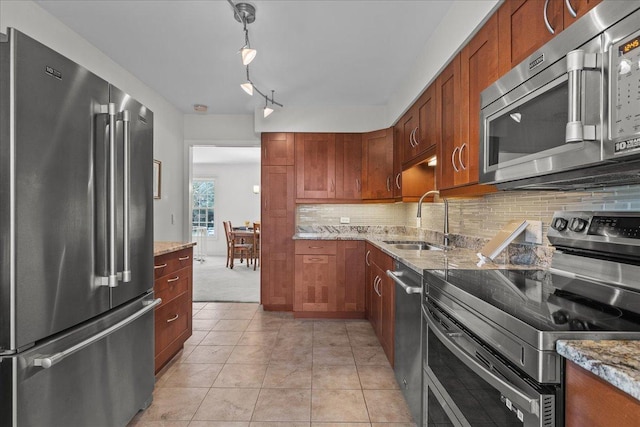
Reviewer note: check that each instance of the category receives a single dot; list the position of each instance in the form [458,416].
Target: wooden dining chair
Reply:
[256,245]
[236,249]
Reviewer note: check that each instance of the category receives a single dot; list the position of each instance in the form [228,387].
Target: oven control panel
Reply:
[595,230]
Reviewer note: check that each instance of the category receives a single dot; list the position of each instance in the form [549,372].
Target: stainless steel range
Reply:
[489,335]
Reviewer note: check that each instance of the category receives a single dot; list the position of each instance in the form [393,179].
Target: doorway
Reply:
[224,185]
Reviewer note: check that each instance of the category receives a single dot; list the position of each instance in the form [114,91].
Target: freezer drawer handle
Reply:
[396,276]
[50,360]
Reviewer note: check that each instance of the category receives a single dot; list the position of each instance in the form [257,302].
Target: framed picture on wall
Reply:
[157,169]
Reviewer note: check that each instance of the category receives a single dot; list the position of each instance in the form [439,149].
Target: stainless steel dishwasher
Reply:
[408,358]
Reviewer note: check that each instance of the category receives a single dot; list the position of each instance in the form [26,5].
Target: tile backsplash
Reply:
[480,217]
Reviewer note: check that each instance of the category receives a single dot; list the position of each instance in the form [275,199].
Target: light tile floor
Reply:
[244,367]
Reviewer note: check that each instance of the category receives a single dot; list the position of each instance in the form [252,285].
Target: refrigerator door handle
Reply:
[125,275]
[47,361]
[112,278]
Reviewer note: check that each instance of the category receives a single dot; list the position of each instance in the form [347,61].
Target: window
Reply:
[202,218]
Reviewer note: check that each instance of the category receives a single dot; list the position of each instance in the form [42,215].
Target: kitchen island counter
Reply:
[161,248]
[615,361]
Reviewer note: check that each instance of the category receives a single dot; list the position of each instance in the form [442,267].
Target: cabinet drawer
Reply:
[170,286]
[325,247]
[169,263]
[171,321]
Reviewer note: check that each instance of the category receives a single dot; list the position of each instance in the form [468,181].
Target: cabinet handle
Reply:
[398,180]
[389,183]
[157,267]
[184,258]
[316,247]
[411,139]
[366,258]
[357,184]
[546,19]
[173,319]
[333,186]
[460,156]
[570,8]
[453,159]
[173,280]
[315,259]
[415,139]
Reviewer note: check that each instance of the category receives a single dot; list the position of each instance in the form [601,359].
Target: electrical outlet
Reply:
[345,220]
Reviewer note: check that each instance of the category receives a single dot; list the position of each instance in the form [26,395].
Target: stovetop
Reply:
[544,300]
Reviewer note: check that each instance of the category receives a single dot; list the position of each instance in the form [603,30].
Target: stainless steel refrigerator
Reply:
[76,243]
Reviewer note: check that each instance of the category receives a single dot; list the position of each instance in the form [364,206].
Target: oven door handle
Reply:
[396,276]
[517,396]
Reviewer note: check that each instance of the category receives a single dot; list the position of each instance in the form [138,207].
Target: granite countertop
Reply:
[161,248]
[418,260]
[615,361]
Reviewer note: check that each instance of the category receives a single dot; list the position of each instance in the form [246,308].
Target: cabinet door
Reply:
[425,136]
[276,244]
[368,280]
[448,125]
[409,125]
[349,166]
[387,315]
[315,283]
[522,28]
[478,69]
[580,7]
[277,149]
[376,300]
[350,280]
[397,166]
[377,166]
[315,165]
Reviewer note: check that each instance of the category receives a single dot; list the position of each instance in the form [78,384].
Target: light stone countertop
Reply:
[161,248]
[615,361]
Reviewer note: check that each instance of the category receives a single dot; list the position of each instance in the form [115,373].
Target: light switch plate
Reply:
[345,220]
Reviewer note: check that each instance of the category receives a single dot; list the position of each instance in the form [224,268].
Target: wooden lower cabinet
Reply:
[329,279]
[380,297]
[593,402]
[173,283]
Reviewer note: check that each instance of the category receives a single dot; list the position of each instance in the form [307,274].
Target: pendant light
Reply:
[247,86]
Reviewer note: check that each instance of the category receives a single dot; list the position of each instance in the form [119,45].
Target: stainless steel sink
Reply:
[412,245]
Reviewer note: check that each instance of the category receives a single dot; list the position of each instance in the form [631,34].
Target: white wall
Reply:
[234,198]
[34,21]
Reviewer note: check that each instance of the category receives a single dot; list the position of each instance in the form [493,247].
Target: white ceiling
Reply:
[313,53]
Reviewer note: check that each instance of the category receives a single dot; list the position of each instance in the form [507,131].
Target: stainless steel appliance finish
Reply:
[76,277]
[407,348]
[563,117]
[501,325]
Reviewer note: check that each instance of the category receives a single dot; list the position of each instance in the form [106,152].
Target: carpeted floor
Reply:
[212,281]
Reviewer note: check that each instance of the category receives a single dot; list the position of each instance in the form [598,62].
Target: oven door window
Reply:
[536,125]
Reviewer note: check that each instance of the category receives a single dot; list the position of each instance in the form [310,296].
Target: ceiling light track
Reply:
[245,13]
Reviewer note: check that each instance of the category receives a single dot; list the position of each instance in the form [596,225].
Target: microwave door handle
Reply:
[577,61]
[125,116]
[517,396]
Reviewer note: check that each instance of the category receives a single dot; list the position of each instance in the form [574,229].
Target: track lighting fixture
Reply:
[245,13]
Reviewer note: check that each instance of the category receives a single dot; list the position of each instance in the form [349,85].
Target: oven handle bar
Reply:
[396,276]
[531,405]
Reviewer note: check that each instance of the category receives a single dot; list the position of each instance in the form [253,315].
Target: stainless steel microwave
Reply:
[569,115]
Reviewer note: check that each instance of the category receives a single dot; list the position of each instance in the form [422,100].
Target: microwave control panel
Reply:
[624,74]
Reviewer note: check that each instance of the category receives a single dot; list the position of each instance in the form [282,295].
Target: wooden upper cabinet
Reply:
[478,69]
[448,114]
[377,165]
[580,7]
[522,28]
[315,165]
[348,166]
[408,128]
[277,149]
[425,136]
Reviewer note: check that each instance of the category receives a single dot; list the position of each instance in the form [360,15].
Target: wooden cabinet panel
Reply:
[592,402]
[425,136]
[448,124]
[315,165]
[278,227]
[277,149]
[580,7]
[409,127]
[478,69]
[348,166]
[380,297]
[350,278]
[173,322]
[522,28]
[329,279]
[377,165]
[387,314]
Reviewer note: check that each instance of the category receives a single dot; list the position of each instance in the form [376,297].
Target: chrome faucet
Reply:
[446,215]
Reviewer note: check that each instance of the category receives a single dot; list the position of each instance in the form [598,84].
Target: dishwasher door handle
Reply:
[397,277]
